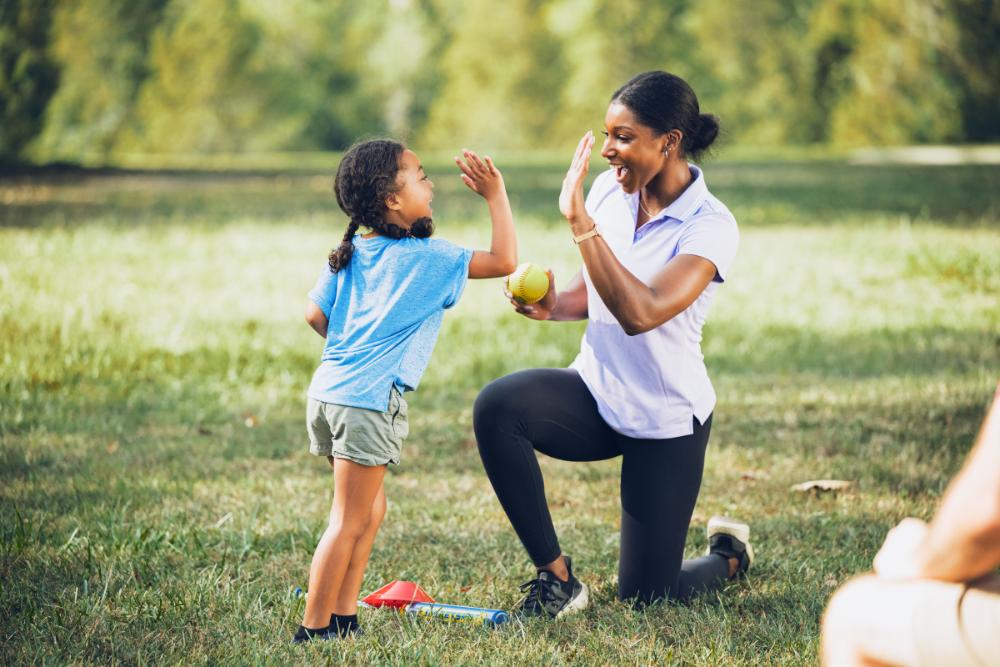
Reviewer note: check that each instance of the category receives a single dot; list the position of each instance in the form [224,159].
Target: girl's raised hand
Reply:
[571,202]
[480,175]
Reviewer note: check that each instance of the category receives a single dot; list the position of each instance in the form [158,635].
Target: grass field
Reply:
[158,503]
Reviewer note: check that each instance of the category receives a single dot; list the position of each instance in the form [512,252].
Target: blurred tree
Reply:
[500,77]
[101,47]
[207,89]
[397,63]
[315,53]
[890,86]
[758,71]
[28,76]
[259,75]
[973,62]
[607,42]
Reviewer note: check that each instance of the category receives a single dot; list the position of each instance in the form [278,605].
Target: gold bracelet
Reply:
[583,237]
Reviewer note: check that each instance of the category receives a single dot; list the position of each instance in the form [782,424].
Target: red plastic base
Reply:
[397,594]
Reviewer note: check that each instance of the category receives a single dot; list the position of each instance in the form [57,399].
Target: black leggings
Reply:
[553,412]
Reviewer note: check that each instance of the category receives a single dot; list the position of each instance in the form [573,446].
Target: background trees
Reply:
[93,79]
[28,75]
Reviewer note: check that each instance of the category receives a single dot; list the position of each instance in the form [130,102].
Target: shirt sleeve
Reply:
[714,237]
[451,270]
[324,291]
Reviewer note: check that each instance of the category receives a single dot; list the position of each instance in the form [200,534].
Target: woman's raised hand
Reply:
[571,202]
[480,175]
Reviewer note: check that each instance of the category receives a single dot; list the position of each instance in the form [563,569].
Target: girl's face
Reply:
[412,201]
[633,149]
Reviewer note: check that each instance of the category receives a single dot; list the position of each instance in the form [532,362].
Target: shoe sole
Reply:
[722,525]
[578,603]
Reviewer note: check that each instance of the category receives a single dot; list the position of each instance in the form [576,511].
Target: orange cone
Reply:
[397,594]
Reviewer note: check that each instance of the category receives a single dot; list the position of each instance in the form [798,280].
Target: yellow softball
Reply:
[528,283]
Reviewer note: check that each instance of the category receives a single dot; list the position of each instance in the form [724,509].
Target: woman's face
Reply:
[634,150]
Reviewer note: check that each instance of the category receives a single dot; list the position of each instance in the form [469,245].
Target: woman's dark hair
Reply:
[365,177]
[665,102]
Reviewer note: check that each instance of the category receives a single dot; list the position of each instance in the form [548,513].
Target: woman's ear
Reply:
[672,141]
[392,202]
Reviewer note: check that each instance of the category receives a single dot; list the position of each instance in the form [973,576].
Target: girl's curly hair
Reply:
[365,178]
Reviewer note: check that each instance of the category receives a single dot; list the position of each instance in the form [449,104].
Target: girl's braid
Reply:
[365,178]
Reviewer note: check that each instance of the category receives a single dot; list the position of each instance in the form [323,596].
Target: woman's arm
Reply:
[316,319]
[638,307]
[483,178]
[565,306]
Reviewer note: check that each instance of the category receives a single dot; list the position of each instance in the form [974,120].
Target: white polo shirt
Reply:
[652,384]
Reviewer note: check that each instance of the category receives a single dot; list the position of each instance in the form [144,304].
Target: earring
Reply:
[666,152]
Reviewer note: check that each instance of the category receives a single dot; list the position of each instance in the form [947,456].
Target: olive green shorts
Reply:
[368,437]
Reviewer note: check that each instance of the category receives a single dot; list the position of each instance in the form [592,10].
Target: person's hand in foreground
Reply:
[898,556]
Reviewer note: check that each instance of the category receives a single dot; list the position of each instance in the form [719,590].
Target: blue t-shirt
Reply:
[384,311]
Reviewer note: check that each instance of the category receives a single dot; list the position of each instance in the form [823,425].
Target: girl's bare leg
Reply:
[347,599]
[355,488]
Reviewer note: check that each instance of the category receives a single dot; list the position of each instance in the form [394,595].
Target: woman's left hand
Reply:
[571,202]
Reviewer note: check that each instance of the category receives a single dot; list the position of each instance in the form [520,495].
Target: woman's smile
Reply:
[625,175]
[621,172]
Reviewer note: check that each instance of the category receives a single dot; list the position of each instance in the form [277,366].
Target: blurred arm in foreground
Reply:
[932,599]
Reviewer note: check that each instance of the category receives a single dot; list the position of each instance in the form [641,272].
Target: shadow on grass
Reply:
[758,194]
[789,351]
[114,390]
[823,193]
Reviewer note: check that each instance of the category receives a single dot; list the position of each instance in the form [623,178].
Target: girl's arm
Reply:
[316,319]
[482,177]
[565,306]
[638,307]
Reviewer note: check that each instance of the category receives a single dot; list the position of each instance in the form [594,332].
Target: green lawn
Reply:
[158,502]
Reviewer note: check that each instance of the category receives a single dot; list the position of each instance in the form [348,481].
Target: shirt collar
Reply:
[684,206]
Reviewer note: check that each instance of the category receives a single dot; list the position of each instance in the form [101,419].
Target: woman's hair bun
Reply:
[708,130]
[663,102]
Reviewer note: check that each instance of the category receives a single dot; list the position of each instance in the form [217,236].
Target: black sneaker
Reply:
[304,634]
[548,596]
[344,628]
[731,539]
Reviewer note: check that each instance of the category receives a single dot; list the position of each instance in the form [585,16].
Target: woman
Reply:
[655,245]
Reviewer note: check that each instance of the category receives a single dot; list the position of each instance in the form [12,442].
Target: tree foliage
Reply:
[102,47]
[92,79]
[28,76]
[891,87]
[499,69]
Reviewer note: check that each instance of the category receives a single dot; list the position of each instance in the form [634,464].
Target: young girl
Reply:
[379,304]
